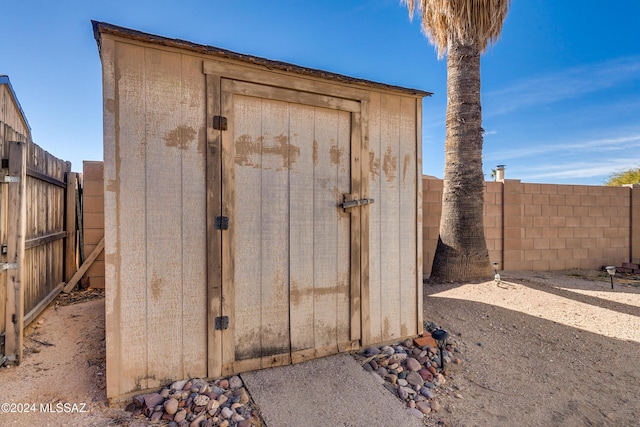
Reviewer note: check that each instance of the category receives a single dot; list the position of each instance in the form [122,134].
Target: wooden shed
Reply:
[257,213]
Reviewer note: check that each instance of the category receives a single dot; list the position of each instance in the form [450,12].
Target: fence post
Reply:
[16,219]
[70,265]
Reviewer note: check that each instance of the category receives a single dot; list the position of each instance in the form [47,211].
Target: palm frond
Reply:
[474,22]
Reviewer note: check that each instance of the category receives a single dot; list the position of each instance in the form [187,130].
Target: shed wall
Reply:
[155,215]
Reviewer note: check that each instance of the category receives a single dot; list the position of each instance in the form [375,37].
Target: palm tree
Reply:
[462,29]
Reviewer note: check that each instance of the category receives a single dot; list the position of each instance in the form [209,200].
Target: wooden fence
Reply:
[38,197]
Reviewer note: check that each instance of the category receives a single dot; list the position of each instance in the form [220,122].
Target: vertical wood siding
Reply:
[155,211]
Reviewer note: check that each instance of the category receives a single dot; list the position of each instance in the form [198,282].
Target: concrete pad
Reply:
[332,391]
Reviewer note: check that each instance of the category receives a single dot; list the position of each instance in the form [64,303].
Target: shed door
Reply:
[290,255]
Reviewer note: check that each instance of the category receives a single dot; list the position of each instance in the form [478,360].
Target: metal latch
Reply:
[3,249]
[222,223]
[7,266]
[9,179]
[356,203]
[222,323]
[219,122]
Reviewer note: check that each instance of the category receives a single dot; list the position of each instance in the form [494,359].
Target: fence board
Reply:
[32,226]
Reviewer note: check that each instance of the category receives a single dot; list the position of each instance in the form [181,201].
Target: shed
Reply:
[257,213]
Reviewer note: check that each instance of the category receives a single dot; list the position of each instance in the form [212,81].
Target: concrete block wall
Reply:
[93,218]
[545,227]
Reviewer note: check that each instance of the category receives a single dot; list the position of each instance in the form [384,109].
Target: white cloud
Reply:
[580,146]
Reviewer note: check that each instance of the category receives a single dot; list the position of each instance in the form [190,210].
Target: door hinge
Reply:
[9,179]
[222,223]
[222,323]
[219,123]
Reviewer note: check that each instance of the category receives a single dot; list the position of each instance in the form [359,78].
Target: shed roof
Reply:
[4,80]
[100,28]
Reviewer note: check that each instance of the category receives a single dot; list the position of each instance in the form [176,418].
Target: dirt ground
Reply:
[537,349]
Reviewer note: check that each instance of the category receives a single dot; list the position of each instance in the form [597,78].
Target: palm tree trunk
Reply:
[462,252]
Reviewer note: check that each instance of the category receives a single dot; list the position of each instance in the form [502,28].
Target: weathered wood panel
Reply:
[165,134]
[326,200]
[375,216]
[393,293]
[194,242]
[164,242]
[301,233]
[275,237]
[125,215]
[407,235]
[247,228]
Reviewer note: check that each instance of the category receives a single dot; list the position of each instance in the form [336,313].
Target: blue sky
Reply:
[560,89]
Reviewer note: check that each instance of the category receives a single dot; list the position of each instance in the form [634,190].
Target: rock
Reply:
[180,416]
[222,399]
[235,382]
[178,385]
[414,378]
[402,393]
[382,372]
[413,365]
[196,422]
[371,351]
[224,383]
[416,413]
[224,423]
[138,400]
[424,407]
[171,406]
[457,361]
[367,367]
[226,413]
[187,386]
[155,417]
[167,417]
[236,418]
[245,423]
[244,396]
[397,358]
[411,404]
[402,382]
[152,400]
[373,364]
[393,379]
[435,406]
[427,393]
[388,350]
[165,393]
[426,374]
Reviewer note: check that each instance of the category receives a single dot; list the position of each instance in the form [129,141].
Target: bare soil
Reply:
[538,349]
[541,349]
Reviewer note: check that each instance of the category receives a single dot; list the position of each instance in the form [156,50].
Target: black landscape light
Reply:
[612,272]
[495,271]
[440,335]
